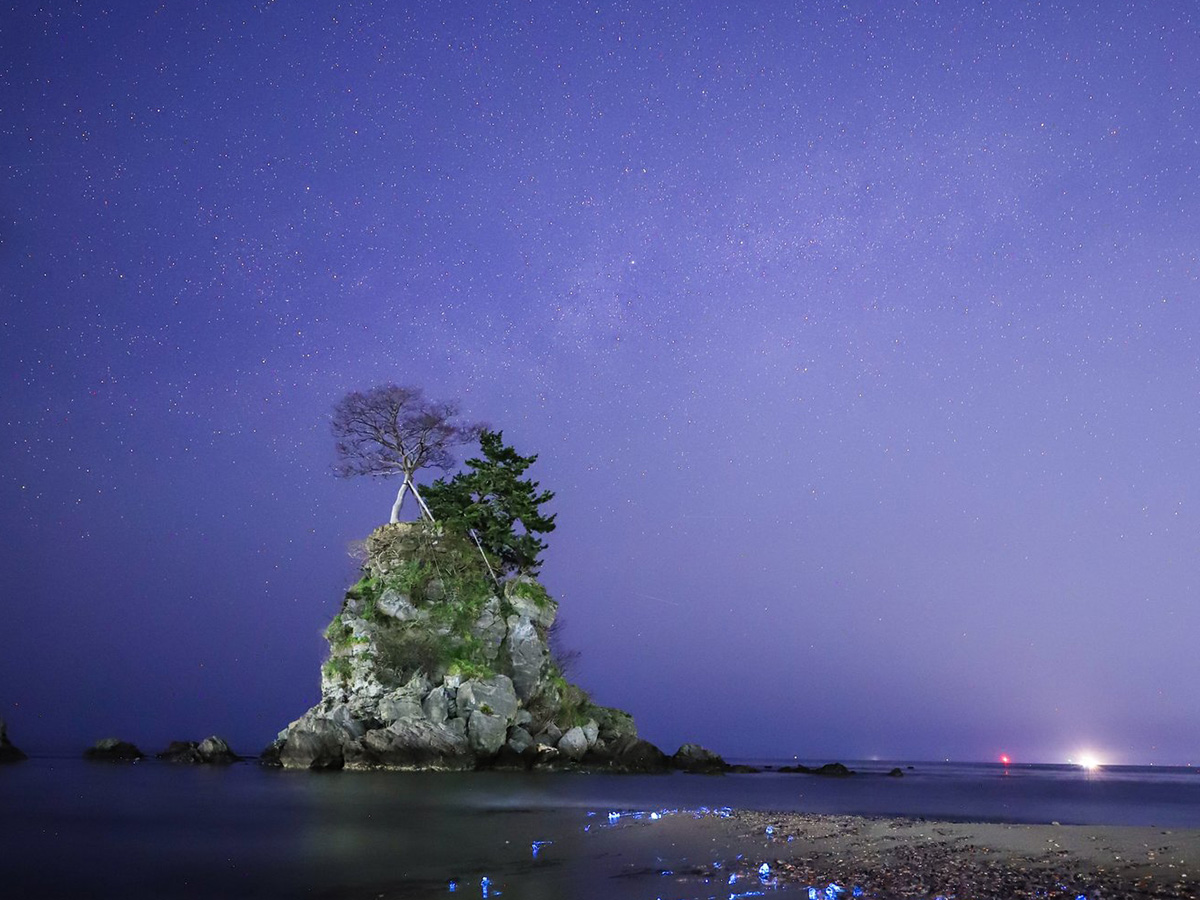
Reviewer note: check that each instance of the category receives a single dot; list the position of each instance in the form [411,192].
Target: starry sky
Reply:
[859,341]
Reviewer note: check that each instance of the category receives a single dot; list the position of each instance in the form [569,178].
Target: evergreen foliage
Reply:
[493,500]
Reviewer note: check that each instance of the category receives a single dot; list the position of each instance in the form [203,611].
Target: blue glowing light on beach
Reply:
[613,816]
[858,892]
[764,870]
[654,817]
[770,830]
[732,879]
[832,891]
[812,894]
[453,886]
[538,845]
[485,884]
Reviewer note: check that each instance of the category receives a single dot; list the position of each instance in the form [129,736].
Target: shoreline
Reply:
[913,858]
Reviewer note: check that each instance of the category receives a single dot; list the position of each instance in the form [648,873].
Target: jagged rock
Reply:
[529,600]
[494,695]
[395,604]
[490,629]
[698,760]
[400,704]
[528,653]
[486,732]
[8,752]
[315,744]
[896,773]
[549,735]
[519,740]
[216,751]
[437,705]
[573,744]
[113,750]
[210,751]
[343,717]
[424,609]
[411,744]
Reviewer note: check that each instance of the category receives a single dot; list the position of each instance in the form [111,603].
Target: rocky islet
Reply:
[435,663]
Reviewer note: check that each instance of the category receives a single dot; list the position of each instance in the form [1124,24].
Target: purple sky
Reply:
[859,340]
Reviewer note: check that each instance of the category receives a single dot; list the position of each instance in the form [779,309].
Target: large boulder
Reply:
[216,751]
[519,740]
[487,732]
[113,750]
[640,756]
[399,704]
[8,753]
[494,696]
[528,655]
[490,629]
[697,760]
[438,705]
[573,745]
[314,743]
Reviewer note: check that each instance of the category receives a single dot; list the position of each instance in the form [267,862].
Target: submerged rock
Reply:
[113,750]
[8,753]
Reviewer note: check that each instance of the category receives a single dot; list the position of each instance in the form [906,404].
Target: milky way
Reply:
[858,341]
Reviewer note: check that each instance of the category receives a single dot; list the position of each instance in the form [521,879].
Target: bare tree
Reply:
[391,430]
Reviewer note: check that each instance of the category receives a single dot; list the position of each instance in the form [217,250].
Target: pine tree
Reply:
[492,500]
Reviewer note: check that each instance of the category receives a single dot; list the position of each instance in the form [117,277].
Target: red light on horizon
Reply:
[1004,760]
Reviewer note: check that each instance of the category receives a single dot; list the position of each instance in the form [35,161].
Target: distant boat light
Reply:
[1089,762]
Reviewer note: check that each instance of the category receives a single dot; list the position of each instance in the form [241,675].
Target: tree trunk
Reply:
[421,500]
[399,499]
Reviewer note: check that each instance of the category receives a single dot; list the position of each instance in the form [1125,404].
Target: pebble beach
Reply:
[741,853]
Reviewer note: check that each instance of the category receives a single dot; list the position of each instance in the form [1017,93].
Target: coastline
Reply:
[914,858]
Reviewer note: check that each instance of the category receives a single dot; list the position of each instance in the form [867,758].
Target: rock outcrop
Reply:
[697,760]
[434,664]
[8,753]
[212,751]
[113,750]
[829,770]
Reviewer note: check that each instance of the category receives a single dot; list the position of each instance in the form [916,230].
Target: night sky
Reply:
[859,341]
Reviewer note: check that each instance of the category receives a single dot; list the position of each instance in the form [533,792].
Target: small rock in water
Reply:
[113,750]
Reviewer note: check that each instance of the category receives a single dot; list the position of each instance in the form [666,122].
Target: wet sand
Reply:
[721,854]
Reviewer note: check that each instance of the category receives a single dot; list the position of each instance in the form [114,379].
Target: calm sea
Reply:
[69,828]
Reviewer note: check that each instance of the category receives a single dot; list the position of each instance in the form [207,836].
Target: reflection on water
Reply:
[70,828]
